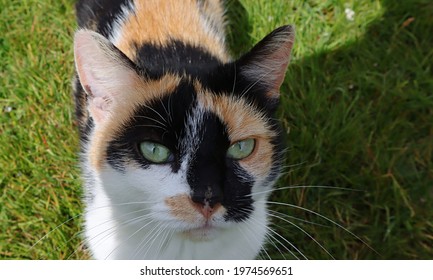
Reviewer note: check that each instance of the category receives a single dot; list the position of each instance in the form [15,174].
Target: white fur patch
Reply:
[116,31]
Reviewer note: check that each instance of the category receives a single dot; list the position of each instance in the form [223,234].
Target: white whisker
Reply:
[124,241]
[79,215]
[305,187]
[149,125]
[234,80]
[243,93]
[299,219]
[164,239]
[169,120]
[323,217]
[149,236]
[110,231]
[301,229]
[152,119]
[256,240]
[156,112]
[57,227]
[282,238]
[271,241]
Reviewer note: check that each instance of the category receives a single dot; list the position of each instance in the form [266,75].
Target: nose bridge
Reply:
[206,183]
[206,164]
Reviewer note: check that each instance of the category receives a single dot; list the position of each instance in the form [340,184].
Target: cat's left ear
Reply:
[266,63]
[106,74]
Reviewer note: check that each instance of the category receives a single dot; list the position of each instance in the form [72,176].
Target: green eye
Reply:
[154,152]
[241,149]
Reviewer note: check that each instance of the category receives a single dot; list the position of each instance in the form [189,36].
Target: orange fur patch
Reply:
[184,209]
[181,207]
[157,22]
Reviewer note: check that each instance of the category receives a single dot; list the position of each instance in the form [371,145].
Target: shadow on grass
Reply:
[361,117]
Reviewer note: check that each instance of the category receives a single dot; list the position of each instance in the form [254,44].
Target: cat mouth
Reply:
[204,232]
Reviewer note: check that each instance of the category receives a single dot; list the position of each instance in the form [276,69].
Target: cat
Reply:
[180,146]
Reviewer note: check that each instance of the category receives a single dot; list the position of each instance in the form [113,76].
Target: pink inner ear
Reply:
[93,86]
[99,108]
[80,48]
[281,59]
[97,104]
[101,103]
[268,60]
[89,57]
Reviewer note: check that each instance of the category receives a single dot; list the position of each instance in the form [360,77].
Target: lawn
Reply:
[357,106]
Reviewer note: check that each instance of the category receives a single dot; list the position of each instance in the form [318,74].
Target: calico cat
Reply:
[180,147]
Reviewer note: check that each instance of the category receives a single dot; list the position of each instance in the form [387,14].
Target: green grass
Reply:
[357,105]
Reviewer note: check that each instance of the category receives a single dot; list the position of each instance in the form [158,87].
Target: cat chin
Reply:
[201,234]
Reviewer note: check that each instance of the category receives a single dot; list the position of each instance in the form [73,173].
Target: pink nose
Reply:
[206,210]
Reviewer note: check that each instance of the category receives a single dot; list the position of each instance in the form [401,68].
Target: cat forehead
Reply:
[175,97]
[187,100]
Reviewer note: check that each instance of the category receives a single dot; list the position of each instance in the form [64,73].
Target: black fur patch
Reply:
[207,168]
[177,58]
[99,15]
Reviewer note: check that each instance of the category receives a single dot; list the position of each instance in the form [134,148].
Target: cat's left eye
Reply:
[155,152]
[241,149]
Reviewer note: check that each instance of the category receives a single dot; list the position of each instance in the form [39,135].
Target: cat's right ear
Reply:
[266,63]
[104,73]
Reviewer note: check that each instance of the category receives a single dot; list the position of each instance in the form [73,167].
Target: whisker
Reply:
[57,227]
[81,243]
[263,249]
[282,238]
[110,231]
[149,125]
[76,234]
[169,121]
[288,242]
[234,80]
[123,215]
[155,235]
[170,106]
[151,119]
[291,166]
[164,239]
[323,217]
[150,235]
[269,239]
[301,229]
[243,93]
[301,220]
[156,112]
[76,216]
[305,187]
[128,238]
[256,240]
[262,252]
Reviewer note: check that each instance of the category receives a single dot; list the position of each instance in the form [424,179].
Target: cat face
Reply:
[194,154]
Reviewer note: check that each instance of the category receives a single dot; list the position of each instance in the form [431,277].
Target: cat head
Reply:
[200,151]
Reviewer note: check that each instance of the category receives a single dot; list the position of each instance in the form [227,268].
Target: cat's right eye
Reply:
[155,152]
